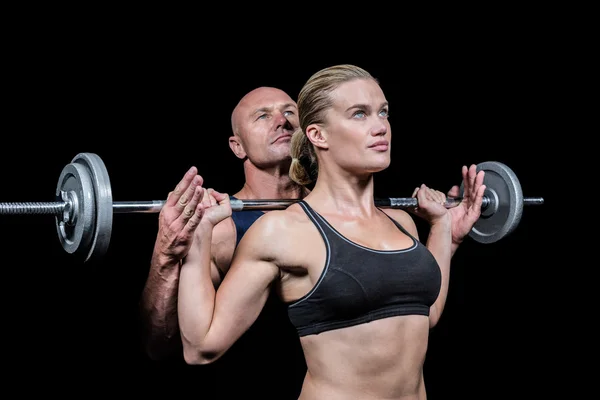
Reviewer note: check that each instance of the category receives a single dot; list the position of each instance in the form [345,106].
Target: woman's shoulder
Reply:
[276,222]
[404,218]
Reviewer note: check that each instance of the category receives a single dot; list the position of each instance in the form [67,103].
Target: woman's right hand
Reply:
[215,207]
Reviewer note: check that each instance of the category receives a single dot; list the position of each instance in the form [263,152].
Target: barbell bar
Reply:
[84,206]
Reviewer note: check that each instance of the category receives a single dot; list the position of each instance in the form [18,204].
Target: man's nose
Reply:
[282,121]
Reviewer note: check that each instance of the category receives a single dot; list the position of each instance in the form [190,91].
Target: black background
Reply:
[152,105]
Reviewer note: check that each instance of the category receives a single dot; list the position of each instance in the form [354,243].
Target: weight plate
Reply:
[504,213]
[75,184]
[104,203]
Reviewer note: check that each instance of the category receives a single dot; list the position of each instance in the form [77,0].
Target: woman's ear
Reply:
[317,136]
[237,147]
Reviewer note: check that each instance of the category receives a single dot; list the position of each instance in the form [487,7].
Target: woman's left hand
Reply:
[431,204]
[468,211]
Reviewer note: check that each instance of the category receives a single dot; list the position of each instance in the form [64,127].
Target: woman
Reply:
[361,288]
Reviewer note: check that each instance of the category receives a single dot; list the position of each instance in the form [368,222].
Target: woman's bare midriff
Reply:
[379,360]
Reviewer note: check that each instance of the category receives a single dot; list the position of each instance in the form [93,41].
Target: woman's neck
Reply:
[341,192]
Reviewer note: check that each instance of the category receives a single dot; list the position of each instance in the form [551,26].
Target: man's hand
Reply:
[180,216]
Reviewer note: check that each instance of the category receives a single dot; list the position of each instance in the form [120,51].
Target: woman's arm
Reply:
[439,243]
[212,320]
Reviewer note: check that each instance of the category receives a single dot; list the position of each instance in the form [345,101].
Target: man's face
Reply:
[264,121]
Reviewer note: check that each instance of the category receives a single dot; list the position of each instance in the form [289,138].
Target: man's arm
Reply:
[159,298]
[178,220]
[158,307]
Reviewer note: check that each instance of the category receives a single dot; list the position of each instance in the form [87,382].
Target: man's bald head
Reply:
[259,99]
[262,124]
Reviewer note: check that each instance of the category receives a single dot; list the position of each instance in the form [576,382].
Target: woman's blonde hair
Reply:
[313,101]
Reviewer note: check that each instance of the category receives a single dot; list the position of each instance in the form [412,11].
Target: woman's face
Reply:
[357,130]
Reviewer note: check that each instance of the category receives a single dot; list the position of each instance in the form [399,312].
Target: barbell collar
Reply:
[150,207]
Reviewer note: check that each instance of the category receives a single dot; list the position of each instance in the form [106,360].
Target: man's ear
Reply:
[237,147]
[317,136]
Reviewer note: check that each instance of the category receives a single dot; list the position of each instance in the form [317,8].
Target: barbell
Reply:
[84,206]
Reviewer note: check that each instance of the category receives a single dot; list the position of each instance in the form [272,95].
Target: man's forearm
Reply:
[159,308]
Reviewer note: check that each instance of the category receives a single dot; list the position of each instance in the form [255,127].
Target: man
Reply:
[262,125]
